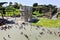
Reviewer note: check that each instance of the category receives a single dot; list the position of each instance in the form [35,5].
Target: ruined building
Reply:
[26,13]
[58,13]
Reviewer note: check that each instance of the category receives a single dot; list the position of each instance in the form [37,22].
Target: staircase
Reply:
[55,16]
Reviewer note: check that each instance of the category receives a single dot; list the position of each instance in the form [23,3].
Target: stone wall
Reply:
[26,13]
[48,15]
[58,11]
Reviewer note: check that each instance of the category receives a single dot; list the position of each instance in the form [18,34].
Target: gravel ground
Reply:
[26,31]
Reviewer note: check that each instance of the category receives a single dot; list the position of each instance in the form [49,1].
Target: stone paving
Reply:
[29,32]
[26,31]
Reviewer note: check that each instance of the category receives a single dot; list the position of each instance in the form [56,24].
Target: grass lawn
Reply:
[11,13]
[36,14]
[47,23]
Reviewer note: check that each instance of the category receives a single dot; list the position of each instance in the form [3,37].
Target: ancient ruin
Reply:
[26,13]
[58,13]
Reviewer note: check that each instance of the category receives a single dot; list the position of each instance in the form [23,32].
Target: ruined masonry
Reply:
[26,13]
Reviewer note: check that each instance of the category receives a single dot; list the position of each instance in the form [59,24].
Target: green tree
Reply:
[35,7]
[19,5]
[35,4]
[10,9]
[15,5]
[10,3]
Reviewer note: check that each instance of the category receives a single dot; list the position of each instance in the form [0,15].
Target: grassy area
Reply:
[36,14]
[11,13]
[47,23]
[42,21]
